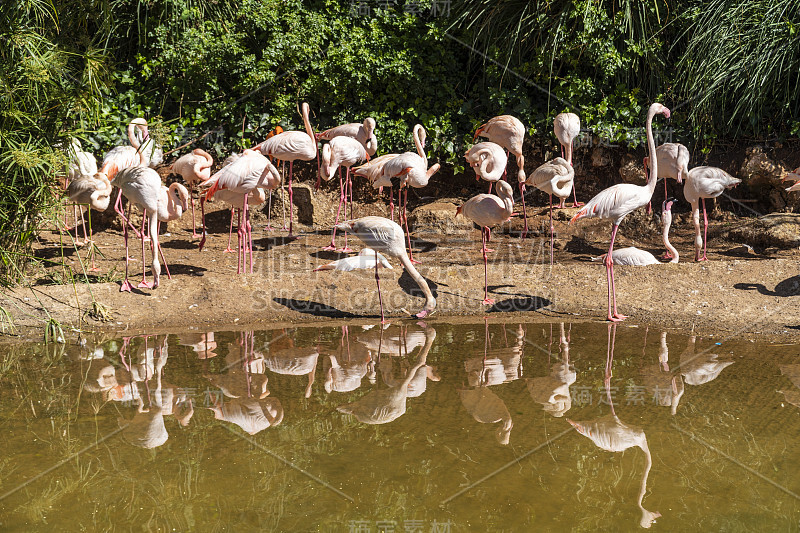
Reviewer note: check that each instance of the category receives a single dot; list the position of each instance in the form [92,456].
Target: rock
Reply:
[316,209]
[764,177]
[439,217]
[780,230]
[630,171]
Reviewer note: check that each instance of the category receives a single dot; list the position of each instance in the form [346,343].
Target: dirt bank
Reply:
[738,291]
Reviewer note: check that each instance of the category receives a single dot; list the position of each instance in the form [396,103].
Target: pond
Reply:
[405,427]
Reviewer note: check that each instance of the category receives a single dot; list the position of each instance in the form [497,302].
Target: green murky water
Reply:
[504,427]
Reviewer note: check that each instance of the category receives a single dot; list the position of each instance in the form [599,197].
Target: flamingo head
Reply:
[479,131]
[666,205]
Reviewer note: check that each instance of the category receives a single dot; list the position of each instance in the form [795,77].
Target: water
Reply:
[250,431]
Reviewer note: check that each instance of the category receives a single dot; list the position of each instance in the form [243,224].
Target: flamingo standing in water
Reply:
[415,173]
[554,177]
[94,191]
[194,168]
[290,146]
[488,210]
[341,151]
[611,434]
[701,183]
[386,236]
[617,201]
[567,126]
[489,161]
[364,133]
[246,174]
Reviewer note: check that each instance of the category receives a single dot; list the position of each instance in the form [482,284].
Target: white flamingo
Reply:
[96,192]
[666,222]
[364,133]
[341,151]
[567,126]
[373,171]
[489,161]
[508,132]
[701,183]
[81,165]
[488,210]
[366,258]
[194,168]
[555,177]
[617,201]
[386,236]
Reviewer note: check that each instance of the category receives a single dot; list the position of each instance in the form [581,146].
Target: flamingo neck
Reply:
[132,135]
[309,129]
[568,150]
[430,301]
[666,217]
[651,147]
[419,143]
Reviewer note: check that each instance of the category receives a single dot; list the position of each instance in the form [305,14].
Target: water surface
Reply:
[412,427]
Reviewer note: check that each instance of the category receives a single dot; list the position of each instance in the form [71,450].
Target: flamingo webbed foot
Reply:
[330,248]
[126,286]
[145,285]
[488,301]
[346,250]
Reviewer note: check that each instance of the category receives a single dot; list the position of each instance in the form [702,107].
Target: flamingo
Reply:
[81,165]
[95,191]
[290,146]
[489,161]
[121,157]
[631,256]
[235,200]
[792,176]
[341,151]
[567,126]
[384,235]
[486,407]
[488,210]
[373,171]
[415,173]
[701,183]
[367,258]
[619,200]
[508,132]
[673,162]
[611,434]
[554,177]
[194,168]
[141,186]
[247,173]
[364,133]
[666,221]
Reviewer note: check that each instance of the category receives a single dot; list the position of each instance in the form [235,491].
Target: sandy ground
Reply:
[736,292]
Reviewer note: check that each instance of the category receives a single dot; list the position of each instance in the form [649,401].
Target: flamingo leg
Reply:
[291,196]
[391,202]
[404,216]
[249,229]
[228,249]
[524,212]
[161,252]
[283,198]
[380,298]
[705,230]
[144,283]
[486,300]
[92,267]
[348,184]
[576,203]
[194,225]
[612,292]
[269,212]
[156,268]
[83,225]
[126,285]
[342,198]
[552,230]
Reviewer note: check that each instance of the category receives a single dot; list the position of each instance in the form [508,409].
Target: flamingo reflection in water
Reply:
[552,391]
[344,370]
[386,405]
[613,435]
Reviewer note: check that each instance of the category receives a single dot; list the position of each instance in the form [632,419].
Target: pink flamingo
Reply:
[508,132]
[554,177]
[567,126]
[194,168]
[94,191]
[81,165]
[236,200]
[243,176]
[489,161]
[121,157]
[414,172]
[364,133]
[341,151]
[386,236]
[373,171]
[488,210]
[701,183]
[617,201]
[290,146]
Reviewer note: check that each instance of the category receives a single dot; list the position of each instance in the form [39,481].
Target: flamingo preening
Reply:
[96,192]
[244,175]
[81,165]
[341,151]
[617,201]
[140,151]
[555,177]
[386,236]
[489,161]
[488,210]
[567,126]
[364,133]
[508,132]
[701,183]
[291,146]
[194,168]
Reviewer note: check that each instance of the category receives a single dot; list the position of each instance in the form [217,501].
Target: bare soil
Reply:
[739,291]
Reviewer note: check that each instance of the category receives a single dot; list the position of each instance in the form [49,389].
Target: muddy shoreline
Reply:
[753,295]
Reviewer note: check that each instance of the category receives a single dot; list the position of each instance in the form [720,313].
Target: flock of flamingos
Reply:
[244,178]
